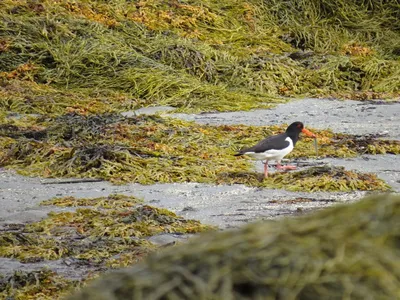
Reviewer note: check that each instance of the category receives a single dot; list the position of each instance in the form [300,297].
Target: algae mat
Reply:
[94,235]
[347,251]
[150,149]
[198,56]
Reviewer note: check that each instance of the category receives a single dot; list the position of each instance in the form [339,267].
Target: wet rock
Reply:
[341,116]
[298,55]
[168,239]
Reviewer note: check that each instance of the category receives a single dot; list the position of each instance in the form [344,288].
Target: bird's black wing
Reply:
[276,142]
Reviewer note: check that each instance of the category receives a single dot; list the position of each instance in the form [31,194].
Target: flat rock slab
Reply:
[353,117]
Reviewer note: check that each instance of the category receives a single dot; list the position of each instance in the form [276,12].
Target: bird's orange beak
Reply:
[308,133]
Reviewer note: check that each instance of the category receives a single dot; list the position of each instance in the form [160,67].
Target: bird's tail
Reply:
[241,152]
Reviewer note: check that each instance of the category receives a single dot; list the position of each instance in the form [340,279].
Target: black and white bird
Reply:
[277,146]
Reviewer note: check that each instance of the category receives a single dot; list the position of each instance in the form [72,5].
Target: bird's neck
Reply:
[293,136]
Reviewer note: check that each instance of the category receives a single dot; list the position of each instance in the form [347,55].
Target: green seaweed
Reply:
[68,68]
[100,233]
[149,149]
[114,201]
[325,178]
[346,251]
[97,57]
[43,284]
[107,226]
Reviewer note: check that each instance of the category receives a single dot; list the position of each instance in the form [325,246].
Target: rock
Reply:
[298,55]
[348,251]
[168,239]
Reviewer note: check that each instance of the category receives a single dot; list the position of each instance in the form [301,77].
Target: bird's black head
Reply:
[295,127]
[294,130]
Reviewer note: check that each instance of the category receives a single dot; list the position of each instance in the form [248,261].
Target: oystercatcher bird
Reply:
[277,146]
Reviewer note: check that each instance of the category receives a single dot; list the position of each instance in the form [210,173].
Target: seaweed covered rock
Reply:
[350,251]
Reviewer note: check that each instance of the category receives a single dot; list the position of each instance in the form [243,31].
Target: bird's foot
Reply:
[280,167]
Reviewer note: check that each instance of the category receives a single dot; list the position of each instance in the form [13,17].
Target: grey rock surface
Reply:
[222,205]
[353,117]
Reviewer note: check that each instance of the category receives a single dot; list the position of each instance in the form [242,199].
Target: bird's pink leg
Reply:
[266,169]
[280,167]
